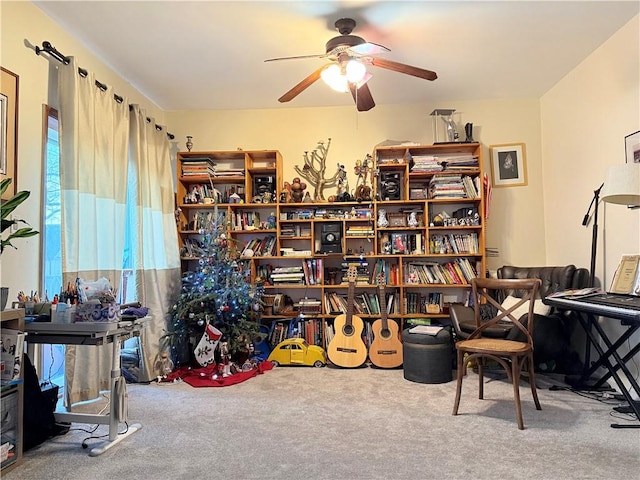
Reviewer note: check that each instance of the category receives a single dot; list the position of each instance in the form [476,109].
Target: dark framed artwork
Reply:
[9,129]
[632,147]
[508,165]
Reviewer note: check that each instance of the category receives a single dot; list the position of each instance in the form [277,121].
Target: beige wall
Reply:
[516,224]
[585,118]
[22,24]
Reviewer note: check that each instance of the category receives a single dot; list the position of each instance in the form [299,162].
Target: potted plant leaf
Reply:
[8,222]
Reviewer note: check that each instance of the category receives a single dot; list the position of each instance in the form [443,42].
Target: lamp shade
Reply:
[622,185]
[332,76]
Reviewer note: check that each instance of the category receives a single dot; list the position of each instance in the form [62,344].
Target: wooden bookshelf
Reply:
[433,199]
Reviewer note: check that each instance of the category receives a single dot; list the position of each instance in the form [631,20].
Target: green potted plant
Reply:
[7,223]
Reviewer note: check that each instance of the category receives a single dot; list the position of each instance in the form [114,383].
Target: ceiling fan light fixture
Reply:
[355,71]
[332,76]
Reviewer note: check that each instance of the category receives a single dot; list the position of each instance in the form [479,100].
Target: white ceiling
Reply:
[210,54]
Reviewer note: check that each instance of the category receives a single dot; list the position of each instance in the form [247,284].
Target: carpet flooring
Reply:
[366,423]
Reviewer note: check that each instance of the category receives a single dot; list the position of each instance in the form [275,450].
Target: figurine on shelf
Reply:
[412,221]
[382,218]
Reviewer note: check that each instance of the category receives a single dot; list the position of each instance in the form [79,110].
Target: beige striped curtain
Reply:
[94,139]
[156,257]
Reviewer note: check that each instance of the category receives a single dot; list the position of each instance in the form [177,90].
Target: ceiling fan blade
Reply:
[302,86]
[321,55]
[369,48]
[402,68]
[362,97]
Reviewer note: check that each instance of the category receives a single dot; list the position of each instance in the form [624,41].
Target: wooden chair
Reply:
[512,355]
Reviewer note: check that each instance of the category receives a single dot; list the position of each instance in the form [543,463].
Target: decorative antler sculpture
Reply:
[315,166]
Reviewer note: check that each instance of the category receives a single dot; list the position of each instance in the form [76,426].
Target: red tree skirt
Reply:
[203,377]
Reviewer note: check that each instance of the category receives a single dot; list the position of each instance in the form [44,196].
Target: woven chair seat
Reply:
[495,346]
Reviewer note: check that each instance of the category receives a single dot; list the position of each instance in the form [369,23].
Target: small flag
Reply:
[205,351]
[487,195]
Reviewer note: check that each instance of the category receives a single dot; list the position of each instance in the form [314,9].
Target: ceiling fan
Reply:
[349,55]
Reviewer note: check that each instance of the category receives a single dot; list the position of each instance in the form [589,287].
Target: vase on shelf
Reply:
[189,143]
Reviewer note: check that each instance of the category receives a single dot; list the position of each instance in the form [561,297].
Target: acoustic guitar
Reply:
[347,349]
[386,348]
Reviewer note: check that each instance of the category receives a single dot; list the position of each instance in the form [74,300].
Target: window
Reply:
[52,364]
[51,233]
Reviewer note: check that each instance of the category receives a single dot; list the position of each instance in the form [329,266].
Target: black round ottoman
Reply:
[427,358]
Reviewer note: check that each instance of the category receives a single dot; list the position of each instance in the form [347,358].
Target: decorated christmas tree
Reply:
[218,302]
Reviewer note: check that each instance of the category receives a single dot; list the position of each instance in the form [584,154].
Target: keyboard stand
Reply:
[609,358]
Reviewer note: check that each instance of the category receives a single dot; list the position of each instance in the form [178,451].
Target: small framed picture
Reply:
[632,147]
[508,165]
[397,220]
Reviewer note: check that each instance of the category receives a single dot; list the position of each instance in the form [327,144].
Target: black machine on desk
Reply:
[626,309]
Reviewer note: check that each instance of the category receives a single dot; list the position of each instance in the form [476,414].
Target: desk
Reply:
[610,359]
[93,333]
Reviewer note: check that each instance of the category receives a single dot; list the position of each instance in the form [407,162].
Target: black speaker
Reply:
[264,184]
[330,238]
[390,186]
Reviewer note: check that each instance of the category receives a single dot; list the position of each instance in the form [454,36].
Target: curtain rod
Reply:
[55,53]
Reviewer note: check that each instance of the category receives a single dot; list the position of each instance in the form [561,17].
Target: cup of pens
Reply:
[29,307]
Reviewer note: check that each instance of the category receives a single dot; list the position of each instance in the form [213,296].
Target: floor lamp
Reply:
[622,187]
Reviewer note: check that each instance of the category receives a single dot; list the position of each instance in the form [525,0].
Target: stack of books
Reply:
[446,185]
[287,275]
[195,167]
[425,164]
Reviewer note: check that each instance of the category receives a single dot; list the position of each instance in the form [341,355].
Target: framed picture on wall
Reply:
[8,129]
[632,147]
[508,165]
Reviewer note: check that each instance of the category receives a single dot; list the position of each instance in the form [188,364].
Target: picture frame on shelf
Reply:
[397,220]
[399,244]
[508,165]
[632,147]
[9,129]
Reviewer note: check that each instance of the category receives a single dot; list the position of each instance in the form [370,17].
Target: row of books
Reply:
[391,272]
[292,252]
[291,230]
[365,303]
[309,328]
[452,185]
[313,269]
[457,272]
[250,220]
[309,272]
[260,247]
[454,243]
[416,302]
[359,230]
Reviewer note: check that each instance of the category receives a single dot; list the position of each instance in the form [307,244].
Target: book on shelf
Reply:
[12,350]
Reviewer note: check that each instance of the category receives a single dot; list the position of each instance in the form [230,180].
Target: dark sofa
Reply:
[552,332]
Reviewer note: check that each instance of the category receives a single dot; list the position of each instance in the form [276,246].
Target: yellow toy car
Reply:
[296,351]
